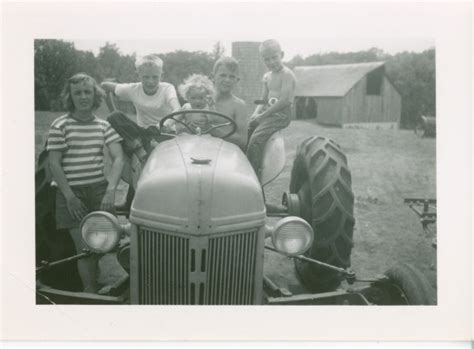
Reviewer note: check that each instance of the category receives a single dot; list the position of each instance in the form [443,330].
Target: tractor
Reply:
[198,226]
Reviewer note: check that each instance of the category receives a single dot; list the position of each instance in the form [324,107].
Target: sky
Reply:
[291,46]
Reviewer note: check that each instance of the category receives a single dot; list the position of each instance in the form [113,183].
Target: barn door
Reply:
[299,105]
[311,109]
[374,109]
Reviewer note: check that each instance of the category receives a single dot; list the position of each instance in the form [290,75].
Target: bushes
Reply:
[57,60]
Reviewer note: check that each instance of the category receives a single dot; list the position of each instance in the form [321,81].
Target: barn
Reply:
[347,95]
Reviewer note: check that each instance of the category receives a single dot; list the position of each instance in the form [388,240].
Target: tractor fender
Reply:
[274,157]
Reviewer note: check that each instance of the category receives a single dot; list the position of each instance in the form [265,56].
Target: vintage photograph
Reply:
[235,172]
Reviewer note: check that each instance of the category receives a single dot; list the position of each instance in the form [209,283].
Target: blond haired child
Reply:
[278,92]
[152,98]
[197,90]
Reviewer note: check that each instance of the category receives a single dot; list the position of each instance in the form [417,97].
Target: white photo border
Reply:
[448,24]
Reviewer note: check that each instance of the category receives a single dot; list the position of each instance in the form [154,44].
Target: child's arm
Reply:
[285,99]
[173,102]
[179,128]
[172,98]
[109,86]
[240,118]
[116,153]
[259,107]
[241,134]
[74,205]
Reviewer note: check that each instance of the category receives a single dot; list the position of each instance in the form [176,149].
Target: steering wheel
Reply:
[230,121]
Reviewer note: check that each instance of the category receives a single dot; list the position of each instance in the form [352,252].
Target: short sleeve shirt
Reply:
[150,109]
[81,143]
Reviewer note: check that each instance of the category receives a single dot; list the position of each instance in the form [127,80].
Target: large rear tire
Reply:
[322,180]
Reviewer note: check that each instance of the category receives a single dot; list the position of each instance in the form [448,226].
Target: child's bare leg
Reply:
[88,267]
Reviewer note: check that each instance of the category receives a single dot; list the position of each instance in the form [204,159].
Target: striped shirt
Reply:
[81,143]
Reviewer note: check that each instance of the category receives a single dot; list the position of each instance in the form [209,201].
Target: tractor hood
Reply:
[198,185]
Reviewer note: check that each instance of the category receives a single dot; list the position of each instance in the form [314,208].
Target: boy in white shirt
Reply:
[152,98]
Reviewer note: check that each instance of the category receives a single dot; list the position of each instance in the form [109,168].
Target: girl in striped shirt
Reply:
[75,149]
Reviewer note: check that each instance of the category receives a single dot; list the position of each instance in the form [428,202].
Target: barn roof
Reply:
[331,80]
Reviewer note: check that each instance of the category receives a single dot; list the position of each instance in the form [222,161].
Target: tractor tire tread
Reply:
[321,162]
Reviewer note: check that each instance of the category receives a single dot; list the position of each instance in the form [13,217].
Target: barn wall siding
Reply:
[329,110]
[356,107]
[392,102]
[360,107]
[354,104]
[374,108]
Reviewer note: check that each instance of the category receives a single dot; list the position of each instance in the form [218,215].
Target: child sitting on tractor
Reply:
[197,89]
[225,75]
[152,98]
[278,93]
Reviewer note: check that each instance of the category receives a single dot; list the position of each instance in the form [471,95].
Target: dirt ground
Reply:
[386,165]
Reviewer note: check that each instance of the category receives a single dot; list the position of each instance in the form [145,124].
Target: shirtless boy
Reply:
[278,93]
[225,77]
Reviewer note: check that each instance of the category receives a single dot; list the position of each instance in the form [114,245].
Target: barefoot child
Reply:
[198,91]
[75,151]
[278,92]
[225,77]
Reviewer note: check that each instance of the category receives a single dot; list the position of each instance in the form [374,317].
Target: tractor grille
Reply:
[231,275]
[174,269]
[163,268]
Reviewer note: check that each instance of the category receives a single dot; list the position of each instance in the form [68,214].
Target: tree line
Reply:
[413,74]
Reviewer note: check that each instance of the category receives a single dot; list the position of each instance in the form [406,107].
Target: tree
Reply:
[218,50]
[179,64]
[112,64]
[55,61]
[414,75]
[109,61]
[87,63]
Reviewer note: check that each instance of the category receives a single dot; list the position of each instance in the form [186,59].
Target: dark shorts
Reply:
[91,196]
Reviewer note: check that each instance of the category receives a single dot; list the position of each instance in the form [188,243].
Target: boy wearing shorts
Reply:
[278,93]
[75,151]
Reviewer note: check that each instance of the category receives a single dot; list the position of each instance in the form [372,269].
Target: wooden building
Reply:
[347,95]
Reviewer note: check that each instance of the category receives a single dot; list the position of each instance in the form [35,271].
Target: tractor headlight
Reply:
[101,231]
[292,235]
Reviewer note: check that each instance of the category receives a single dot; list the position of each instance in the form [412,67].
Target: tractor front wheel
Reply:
[408,286]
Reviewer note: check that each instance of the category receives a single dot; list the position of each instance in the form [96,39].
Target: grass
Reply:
[387,166]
